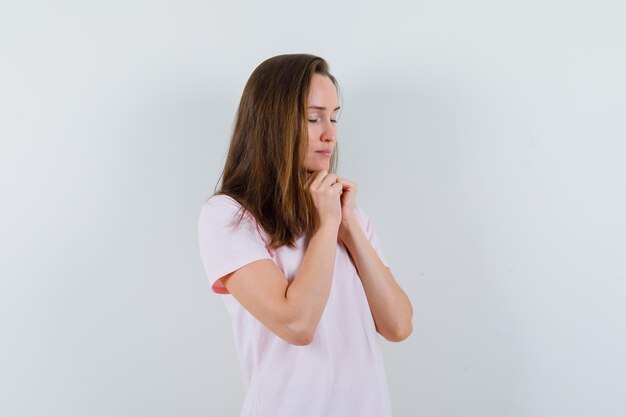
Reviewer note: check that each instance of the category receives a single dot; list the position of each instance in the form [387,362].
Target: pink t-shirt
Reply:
[341,373]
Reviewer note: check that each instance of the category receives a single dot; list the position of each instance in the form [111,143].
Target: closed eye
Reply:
[317,120]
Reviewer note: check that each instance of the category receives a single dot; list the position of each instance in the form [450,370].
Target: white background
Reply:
[487,139]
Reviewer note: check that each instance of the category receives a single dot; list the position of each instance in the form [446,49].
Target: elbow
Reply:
[299,326]
[299,338]
[402,328]
[399,334]
[302,339]
[300,335]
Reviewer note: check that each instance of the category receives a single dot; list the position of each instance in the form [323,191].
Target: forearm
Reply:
[390,306]
[308,292]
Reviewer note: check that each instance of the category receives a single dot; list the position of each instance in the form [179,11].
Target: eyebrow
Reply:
[322,108]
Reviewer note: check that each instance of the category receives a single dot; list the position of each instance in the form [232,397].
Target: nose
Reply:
[330,132]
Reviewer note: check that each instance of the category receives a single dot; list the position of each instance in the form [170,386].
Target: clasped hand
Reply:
[325,193]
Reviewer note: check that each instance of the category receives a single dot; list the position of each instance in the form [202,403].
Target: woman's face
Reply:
[322,111]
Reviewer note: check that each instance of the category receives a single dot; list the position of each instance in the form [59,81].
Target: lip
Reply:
[325,152]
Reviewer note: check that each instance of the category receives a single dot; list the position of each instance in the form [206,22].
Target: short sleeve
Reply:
[370,231]
[224,246]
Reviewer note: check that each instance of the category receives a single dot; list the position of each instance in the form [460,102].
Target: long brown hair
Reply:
[265,168]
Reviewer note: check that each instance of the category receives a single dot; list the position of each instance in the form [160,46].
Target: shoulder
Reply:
[220,205]
[220,200]
[364,218]
[219,210]
[361,214]
[224,212]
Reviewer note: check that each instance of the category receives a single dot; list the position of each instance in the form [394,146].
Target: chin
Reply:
[318,167]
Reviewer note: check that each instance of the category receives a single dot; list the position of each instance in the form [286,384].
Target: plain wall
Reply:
[487,139]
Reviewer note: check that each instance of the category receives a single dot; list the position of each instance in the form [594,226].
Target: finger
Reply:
[346,183]
[318,177]
[329,180]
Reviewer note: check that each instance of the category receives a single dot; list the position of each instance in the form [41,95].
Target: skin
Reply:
[390,306]
[322,111]
[293,310]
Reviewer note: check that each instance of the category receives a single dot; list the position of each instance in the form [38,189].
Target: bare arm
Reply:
[293,311]
[390,306]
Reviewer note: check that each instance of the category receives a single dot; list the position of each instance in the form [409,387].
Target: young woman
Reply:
[297,260]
